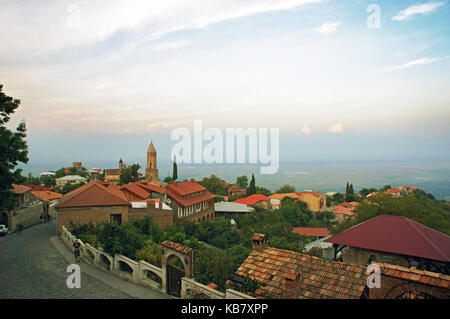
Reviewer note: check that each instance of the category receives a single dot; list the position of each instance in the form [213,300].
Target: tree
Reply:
[168,180]
[214,185]
[286,189]
[13,150]
[252,187]
[175,169]
[71,187]
[262,190]
[366,191]
[242,181]
[129,174]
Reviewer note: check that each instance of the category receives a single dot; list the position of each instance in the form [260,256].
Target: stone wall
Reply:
[96,215]
[27,217]
[137,272]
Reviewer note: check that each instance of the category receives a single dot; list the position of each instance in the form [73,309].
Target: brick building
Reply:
[395,240]
[99,201]
[190,201]
[291,275]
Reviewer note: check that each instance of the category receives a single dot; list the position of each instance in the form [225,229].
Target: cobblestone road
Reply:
[31,267]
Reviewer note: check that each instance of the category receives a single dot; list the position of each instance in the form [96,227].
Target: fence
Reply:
[142,272]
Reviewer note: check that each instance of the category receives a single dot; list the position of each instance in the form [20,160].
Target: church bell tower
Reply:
[151,173]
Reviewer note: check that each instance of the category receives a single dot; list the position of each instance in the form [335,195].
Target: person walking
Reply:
[76,250]
[20,229]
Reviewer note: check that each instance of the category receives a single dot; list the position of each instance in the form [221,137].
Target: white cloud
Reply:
[305,129]
[336,128]
[417,9]
[45,27]
[171,45]
[422,61]
[329,27]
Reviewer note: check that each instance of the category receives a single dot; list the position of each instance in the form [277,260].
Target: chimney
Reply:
[174,183]
[259,241]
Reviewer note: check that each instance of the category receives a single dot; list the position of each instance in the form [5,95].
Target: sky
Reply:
[342,80]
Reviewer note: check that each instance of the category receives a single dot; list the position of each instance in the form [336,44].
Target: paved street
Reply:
[33,265]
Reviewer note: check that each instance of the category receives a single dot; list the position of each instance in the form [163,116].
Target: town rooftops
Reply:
[95,193]
[311,231]
[395,190]
[20,189]
[231,207]
[283,195]
[252,199]
[151,187]
[294,275]
[136,190]
[186,187]
[422,276]
[38,188]
[343,210]
[177,191]
[316,194]
[397,235]
[46,195]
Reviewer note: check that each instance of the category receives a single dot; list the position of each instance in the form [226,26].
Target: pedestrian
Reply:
[76,250]
[20,229]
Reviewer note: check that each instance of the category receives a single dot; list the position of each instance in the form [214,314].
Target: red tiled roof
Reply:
[252,199]
[310,231]
[422,276]
[20,189]
[135,189]
[46,195]
[349,204]
[398,235]
[151,187]
[37,187]
[95,193]
[294,275]
[177,247]
[343,210]
[177,190]
[395,190]
[283,195]
[185,188]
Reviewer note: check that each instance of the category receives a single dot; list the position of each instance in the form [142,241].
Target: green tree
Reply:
[71,187]
[286,189]
[242,181]
[13,150]
[175,169]
[129,174]
[366,191]
[262,190]
[151,252]
[252,187]
[214,185]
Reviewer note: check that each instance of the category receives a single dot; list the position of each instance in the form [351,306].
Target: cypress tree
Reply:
[175,169]
[252,188]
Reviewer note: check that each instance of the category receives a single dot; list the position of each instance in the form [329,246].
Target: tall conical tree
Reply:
[347,188]
[175,169]
[252,187]
[350,190]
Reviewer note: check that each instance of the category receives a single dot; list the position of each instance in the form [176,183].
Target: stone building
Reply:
[396,240]
[70,179]
[151,173]
[99,201]
[112,175]
[190,201]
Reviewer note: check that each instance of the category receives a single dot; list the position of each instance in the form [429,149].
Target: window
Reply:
[116,218]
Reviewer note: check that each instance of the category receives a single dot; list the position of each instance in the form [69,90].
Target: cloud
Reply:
[329,27]
[171,45]
[336,128]
[425,8]
[422,61]
[44,27]
[305,129]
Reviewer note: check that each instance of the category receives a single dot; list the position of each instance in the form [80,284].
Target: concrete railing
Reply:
[136,272]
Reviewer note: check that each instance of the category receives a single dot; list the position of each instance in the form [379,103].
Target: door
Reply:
[174,276]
